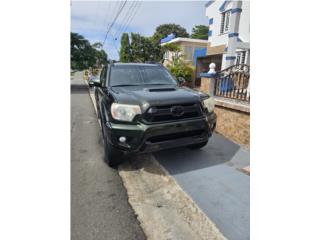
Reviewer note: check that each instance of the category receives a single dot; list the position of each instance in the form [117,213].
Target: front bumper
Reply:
[154,137]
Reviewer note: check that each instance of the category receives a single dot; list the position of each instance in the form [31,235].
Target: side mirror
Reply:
[181,80]
[94,82]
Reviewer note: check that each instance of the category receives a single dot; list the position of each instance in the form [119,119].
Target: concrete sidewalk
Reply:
[212,177]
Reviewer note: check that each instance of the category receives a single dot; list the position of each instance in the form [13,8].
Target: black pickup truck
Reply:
[143,108]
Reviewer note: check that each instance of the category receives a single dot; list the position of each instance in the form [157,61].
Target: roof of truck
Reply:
[136,64]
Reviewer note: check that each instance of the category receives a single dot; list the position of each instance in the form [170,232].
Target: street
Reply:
[99,205]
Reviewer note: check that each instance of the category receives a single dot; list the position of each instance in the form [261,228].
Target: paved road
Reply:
[99,207]
[211,178]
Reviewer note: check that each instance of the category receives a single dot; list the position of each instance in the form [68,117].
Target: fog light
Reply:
[122,139]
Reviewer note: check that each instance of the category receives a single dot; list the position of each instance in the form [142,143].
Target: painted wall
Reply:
[187,50]
[213,12]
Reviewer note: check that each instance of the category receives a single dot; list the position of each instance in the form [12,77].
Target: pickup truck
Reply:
[143,108]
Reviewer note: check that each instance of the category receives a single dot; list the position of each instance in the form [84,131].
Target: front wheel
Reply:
[112,156]
[198,145]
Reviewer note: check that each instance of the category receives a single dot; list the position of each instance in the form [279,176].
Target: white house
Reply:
[229,32]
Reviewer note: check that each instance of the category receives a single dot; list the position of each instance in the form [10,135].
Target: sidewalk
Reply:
[214,179]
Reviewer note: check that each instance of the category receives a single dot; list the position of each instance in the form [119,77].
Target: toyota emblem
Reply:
[177,111]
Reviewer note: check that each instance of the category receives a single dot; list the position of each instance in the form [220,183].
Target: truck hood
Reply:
[156,95]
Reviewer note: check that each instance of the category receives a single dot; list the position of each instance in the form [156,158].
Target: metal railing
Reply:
[233,82]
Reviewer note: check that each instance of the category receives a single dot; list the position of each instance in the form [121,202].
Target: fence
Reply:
[233,82]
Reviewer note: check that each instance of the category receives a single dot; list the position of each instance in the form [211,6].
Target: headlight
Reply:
[124,112]
[209,104]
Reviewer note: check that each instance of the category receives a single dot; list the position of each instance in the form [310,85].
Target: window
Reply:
[188,52]
[225,21]
[166,55]
[241,57]
[103,75]
[139,75]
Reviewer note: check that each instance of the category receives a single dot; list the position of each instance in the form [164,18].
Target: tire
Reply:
[198,145]
[112,156]
[98,112]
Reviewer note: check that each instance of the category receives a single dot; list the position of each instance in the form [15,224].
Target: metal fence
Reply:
[233,82]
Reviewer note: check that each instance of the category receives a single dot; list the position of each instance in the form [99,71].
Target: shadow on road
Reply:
[79,88]
[218,151]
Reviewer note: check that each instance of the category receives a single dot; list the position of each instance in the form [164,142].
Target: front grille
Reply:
[171,136]
[168,113]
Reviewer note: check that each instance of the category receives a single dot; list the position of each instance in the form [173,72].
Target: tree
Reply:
[164,30]
[125,49]
[84,55]
[172,47]
[136,47]
[200,32]
[143,49]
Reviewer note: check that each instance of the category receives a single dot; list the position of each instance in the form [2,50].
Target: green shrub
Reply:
[180,69]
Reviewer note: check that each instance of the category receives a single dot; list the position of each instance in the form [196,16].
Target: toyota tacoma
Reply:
[143,108]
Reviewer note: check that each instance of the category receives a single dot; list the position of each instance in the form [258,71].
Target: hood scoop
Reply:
[160,89]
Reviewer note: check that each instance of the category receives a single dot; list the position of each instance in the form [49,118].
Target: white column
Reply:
[230,56]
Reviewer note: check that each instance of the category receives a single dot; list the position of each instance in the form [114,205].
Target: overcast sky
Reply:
[91,19]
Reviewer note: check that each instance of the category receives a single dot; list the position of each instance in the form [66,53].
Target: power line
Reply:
[126,18]
[129,20]
[113,22]
[113,11]
[136,10]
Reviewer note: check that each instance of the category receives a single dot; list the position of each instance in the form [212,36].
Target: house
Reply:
[187,45]
[229,35]
[190,48]
[229,45]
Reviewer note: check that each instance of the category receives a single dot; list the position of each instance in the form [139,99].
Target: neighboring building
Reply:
[229,34]
[189,48]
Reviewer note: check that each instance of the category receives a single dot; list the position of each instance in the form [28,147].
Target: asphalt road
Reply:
[99,206]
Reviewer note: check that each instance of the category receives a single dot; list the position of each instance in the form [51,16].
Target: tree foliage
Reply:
[84,55]
[125,49]
[200,32]
[142,49]
[164,30]
[179,68]
[172,47]
[139,49]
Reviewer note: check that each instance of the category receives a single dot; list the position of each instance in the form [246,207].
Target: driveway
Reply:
[211,177]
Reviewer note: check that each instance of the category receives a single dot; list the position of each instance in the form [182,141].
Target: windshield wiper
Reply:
[159,84]
[125,85]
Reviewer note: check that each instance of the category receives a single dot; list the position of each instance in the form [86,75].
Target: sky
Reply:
[91,19]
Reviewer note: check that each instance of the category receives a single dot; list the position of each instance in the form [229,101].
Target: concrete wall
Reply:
[233,117]
[233,122]
[205,85]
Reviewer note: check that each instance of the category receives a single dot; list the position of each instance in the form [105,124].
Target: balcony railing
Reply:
[233,82]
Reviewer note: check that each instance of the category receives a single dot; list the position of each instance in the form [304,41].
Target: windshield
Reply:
[140,75]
